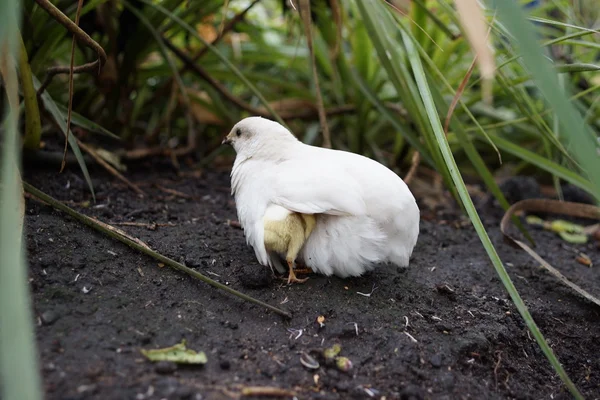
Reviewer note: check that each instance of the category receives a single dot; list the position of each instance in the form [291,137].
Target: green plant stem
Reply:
[167,261]
[33,124]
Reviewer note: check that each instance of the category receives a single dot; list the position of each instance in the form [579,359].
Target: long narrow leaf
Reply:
[419,73]
[85,123]
[61,121]
[19,372]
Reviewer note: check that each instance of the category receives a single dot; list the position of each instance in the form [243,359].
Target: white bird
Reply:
[365,214]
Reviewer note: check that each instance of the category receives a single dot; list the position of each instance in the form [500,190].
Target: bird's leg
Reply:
[292,275]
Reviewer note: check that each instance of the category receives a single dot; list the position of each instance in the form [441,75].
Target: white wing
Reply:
[308,187]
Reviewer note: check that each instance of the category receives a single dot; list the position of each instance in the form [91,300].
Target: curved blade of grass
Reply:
[19,372]
[417,68]
[570,120]
[85,123]
[224,59]
[61,122]
[563,24]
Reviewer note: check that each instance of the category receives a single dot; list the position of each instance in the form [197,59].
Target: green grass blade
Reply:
[578,67]
[19,370]
[419,73]
[564,25]
[61,121]
[570,120]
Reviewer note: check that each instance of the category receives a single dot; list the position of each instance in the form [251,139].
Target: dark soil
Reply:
[444,328]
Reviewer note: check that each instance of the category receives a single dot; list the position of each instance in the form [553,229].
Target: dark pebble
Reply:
[518,188]
[225,365]
[231,325]
[192,262]
[472,341]
[436,360]
[576,195]
[256,276]
[165,367]
[49,317]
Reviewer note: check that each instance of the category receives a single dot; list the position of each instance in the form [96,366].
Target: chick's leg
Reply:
[296,242]
[292,276]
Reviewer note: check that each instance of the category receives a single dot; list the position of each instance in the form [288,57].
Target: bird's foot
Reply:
[292,275]
[293,279]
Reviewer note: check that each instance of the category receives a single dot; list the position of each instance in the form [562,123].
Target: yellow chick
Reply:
[285,234]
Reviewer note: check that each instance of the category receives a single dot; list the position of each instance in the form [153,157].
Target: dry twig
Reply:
[415,161]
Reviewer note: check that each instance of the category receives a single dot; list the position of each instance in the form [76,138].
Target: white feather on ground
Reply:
[366,214]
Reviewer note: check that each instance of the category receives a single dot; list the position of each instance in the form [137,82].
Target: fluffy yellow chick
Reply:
[285,234]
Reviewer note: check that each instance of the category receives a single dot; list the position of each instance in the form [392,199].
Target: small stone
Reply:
[436,360]
[165,367]
[192,262]
[231,325]
[225,365]
[255,277]
[49,317]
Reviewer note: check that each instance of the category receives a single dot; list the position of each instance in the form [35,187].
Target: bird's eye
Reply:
[238,132]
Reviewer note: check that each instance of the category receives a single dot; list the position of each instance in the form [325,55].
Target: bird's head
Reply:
[254,133]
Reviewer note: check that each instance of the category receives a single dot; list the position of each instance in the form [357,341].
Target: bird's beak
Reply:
[227,140]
